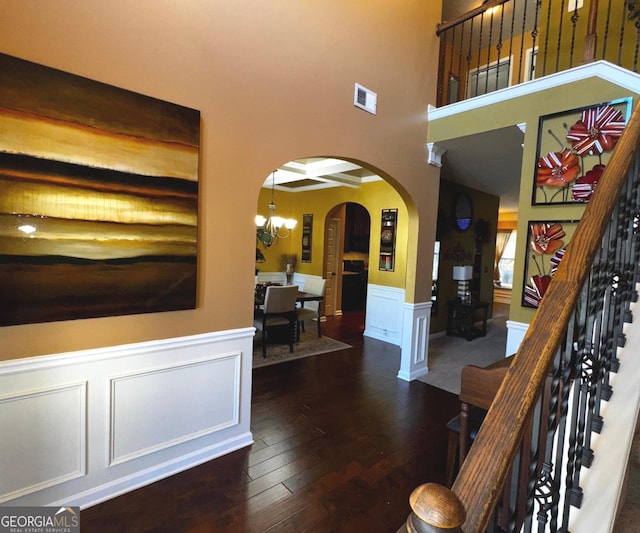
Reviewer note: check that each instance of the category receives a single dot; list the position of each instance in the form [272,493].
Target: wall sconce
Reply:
[463,274]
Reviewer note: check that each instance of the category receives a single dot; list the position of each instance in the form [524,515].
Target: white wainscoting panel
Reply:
[48,424]
[148,407]
[383,319]
[515,333]
[415,341]
[90,425]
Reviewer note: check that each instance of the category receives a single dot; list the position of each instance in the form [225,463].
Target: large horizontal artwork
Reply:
[573,150]
[98,198]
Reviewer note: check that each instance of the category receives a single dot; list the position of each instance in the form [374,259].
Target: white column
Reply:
[415,341]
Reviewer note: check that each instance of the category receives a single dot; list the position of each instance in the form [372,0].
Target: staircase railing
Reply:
[506,42]
[527,458]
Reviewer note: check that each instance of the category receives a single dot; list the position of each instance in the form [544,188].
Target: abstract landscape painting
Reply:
[98,198]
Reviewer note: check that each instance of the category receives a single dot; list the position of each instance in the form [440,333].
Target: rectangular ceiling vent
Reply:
[365,99]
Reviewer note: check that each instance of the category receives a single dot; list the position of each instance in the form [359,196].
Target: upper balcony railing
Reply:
[508,42]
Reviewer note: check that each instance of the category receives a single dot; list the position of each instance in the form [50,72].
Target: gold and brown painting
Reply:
[98,198]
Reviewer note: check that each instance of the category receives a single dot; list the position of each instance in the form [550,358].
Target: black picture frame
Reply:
[573,148]
[539,267]
[388,230]
[307,237]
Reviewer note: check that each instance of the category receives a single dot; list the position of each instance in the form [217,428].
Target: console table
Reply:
[460,318]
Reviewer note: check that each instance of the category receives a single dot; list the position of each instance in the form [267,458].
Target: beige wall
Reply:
[274,82]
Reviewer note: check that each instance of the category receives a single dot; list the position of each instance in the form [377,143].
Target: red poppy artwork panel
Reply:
[546,245]
[573,150]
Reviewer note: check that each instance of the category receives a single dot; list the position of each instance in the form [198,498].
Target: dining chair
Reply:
[311,310]
[279,310]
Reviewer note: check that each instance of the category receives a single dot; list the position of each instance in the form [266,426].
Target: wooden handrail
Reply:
[483,473]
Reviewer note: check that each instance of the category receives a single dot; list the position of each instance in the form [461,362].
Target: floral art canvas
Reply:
[98,198]
[573,150]
[546,245]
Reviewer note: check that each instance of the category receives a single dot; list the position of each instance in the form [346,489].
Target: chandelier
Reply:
[274,227]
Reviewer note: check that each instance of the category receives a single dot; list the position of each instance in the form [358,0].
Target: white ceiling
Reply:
[490,162]
[317,173]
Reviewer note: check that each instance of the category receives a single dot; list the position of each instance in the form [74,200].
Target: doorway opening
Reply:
[346,253]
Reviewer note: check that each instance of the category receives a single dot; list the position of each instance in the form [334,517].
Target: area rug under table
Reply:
[308,345]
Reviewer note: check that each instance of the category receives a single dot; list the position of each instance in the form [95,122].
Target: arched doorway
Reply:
[318,190]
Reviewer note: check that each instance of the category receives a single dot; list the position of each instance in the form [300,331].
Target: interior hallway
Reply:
[340,443]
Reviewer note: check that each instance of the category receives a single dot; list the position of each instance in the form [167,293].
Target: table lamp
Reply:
[463,274]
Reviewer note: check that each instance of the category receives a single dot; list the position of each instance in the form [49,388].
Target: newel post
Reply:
[590,40]
[434,509]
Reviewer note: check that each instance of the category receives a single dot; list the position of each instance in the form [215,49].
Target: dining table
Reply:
[261,289]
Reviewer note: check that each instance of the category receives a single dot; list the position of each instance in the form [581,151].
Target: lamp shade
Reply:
[462,273]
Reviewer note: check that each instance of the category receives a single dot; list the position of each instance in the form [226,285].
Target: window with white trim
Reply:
[488,78]
[507,260]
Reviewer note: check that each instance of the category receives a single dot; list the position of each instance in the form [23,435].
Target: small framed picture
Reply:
[307,234]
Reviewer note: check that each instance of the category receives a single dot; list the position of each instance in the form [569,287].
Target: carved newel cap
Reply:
[437,506]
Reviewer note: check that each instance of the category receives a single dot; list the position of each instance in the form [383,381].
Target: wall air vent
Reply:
[365,99]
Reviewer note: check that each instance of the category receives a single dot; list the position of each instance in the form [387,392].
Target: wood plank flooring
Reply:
[340,443]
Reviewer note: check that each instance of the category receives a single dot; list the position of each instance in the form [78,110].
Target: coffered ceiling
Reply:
[318,173]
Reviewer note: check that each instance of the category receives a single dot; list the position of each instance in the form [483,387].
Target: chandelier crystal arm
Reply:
[276,227]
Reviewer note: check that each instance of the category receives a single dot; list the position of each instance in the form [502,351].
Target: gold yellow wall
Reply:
[274,82]
[374,196]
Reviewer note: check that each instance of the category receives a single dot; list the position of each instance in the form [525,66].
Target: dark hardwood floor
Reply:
[340,443]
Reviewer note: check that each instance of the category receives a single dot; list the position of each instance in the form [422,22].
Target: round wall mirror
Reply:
[462,212]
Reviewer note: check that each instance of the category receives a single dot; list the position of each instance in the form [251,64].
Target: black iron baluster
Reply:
[621,42]
[546,40]
[524,25]
[478,54]
[635,54]
[449,76]
[559,45]
[574,22]
[499,44]
[442,77]
[606,30]
[513,20]
[460,65]
[486,81]
[468,89]
[534,36]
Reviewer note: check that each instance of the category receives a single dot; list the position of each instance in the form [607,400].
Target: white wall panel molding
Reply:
[515,333]
[49,424]
[132,415]
[148,407]
[384,313]
[125,350]
[415,341]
